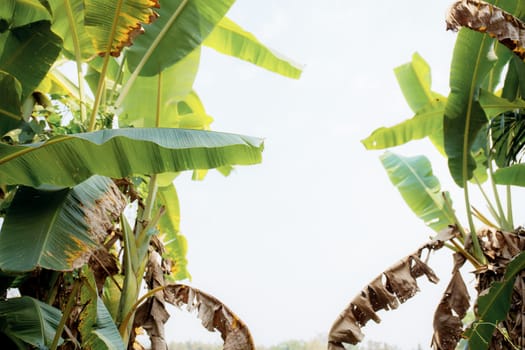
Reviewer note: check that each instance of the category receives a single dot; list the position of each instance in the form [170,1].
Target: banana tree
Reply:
[98,116]
[479,130]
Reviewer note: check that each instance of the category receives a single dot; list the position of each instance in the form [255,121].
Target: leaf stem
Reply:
[78,59]
[133,308]
[125,89]
[510,216]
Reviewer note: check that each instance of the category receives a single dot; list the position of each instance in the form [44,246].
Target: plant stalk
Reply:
[65,314]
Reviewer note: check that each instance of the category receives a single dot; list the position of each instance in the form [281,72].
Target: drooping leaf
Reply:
[392,287]
[230,39]
[514,86]
[464,117]
[65,227]
[420,189]
[18,48]
[428,121]
[181,27]
[18,13]
[174,83]
[451,310]
[112,25]
[69,160]
[494,306]
[29,320]
[508,138]
[213,314]
[487,18]
[10,104]
[97,328]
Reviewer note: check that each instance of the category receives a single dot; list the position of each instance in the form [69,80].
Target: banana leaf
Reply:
[30,321]
[181,27]
[70,159]
[10,104]
[64,228]
[230,39]
[420,189]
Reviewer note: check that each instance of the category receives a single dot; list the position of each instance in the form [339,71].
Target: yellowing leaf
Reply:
[113,24]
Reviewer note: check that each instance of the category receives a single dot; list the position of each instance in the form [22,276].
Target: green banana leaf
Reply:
[514,85]
[494,105]
[420,189]
[175,243]
[97,328]
[68,24]
[464,117]
[64,228]
[181,27]
[427,121]
[70,159]
[30,321]
[415,81]
[10,104]
[512,175]
[493,306]
[18,13]
[19,45]
[113,24]
[173,84]
[230,39]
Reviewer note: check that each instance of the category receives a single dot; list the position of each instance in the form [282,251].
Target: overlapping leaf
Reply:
[66,225]
[30,321]
[230,39]
[112,25]
[181,27]
[420,189]
[69,160]
[10,104]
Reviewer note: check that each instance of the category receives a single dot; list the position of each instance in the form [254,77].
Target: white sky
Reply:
[288,243]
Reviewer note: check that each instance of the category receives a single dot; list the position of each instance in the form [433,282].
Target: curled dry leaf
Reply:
[213,314]
[487,18]
[395,285]
[451,310]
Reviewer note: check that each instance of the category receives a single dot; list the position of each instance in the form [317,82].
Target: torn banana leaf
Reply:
[213,314]
[392,287]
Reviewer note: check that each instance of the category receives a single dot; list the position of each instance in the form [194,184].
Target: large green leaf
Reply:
[18,13]
[64,228]
[420,189]
[10,104]
[514,85]
[18,48]
[464,117]
[230,39]
[113,24]
[173,84]
[69,160]
[181,27]
[174,242]
[492,307]
[513,175]
[427,121]
[29,320]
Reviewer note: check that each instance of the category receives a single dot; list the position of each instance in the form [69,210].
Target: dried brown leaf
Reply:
[213,314]
[385,292]
[452,308]
[487,18]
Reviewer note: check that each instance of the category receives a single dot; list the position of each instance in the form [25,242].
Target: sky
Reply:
[288,243]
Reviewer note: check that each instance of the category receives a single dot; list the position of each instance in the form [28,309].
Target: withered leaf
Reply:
[395,285]
[451,310]
[487,18]
[213,314]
